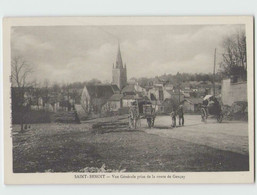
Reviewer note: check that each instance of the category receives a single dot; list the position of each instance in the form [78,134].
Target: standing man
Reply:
[134,117]
[180,113]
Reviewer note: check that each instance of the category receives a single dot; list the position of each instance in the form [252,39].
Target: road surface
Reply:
[228,135]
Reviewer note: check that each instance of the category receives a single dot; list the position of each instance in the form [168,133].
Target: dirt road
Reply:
[228,135]
[54,147]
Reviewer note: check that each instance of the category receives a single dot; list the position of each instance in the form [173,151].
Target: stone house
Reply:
[131,93]
[93,97]
[192,105]
[113,104]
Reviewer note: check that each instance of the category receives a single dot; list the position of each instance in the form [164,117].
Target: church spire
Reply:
[119,73]
[119,63]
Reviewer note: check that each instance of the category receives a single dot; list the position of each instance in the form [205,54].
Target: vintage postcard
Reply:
[128,100]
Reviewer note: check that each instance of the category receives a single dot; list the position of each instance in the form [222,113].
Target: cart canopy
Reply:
[207,97]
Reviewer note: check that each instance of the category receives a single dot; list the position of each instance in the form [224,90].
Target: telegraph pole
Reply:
[214,65]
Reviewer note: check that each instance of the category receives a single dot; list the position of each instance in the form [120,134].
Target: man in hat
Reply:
[180,113]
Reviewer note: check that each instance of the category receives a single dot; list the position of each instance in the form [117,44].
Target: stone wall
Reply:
[233,92]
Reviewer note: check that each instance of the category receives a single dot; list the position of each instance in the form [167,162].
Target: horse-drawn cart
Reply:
[141,109]
[211,106]
[149,114]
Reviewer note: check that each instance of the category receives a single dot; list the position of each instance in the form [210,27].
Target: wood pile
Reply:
[112,126]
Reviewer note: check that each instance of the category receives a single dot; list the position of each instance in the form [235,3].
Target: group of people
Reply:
[180,113]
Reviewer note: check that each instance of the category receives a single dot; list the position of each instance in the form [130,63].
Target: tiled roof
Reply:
[115,88]
[100,91]
[116,97]
[129,88]
[129,97]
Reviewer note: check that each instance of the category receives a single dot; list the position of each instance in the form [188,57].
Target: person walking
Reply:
[180,113]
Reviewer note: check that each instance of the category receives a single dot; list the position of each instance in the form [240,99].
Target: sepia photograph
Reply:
[111,98]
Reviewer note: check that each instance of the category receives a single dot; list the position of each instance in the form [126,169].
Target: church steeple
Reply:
[119,73]
[119,63]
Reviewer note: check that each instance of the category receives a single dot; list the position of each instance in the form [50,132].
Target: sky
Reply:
[66,54]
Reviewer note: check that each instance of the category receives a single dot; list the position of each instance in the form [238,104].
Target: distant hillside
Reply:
[179,79]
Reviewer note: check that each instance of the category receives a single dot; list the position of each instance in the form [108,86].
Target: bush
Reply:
[237,111]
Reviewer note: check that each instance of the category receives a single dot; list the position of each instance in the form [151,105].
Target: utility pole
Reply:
[214,65]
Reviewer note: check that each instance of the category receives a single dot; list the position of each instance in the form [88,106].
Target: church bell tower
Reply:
[119,72]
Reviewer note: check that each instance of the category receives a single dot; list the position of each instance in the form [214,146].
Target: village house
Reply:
[93,97]
[164,97]
[131,93]
[113,104]
[192,105]
[127,100]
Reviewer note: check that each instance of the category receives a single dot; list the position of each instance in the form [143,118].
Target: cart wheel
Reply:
[220,117]
[203,114]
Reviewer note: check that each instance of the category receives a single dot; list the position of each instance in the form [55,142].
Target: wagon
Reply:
[149,114]
[141,109]
[211,106]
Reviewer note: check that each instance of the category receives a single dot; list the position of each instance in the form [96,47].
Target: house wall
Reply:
[111,106]
[166,95]
[156,93]
[96,104]
[232,92]
[56,106]
[127,102]
[85,100]
[140,89]
[115,105]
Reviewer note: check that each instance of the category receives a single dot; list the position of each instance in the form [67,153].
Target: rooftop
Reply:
[116,97]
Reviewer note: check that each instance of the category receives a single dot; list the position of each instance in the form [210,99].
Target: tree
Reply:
[56,88]
[94,81]
[20,71]
[37,93]
[45,93]
[234,58]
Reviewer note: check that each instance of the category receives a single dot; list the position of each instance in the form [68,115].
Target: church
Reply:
[103,98]
[95,96]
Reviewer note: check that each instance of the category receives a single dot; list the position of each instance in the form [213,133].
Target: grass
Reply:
[73,147]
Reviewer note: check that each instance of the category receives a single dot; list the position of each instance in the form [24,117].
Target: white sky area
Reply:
[67,54]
